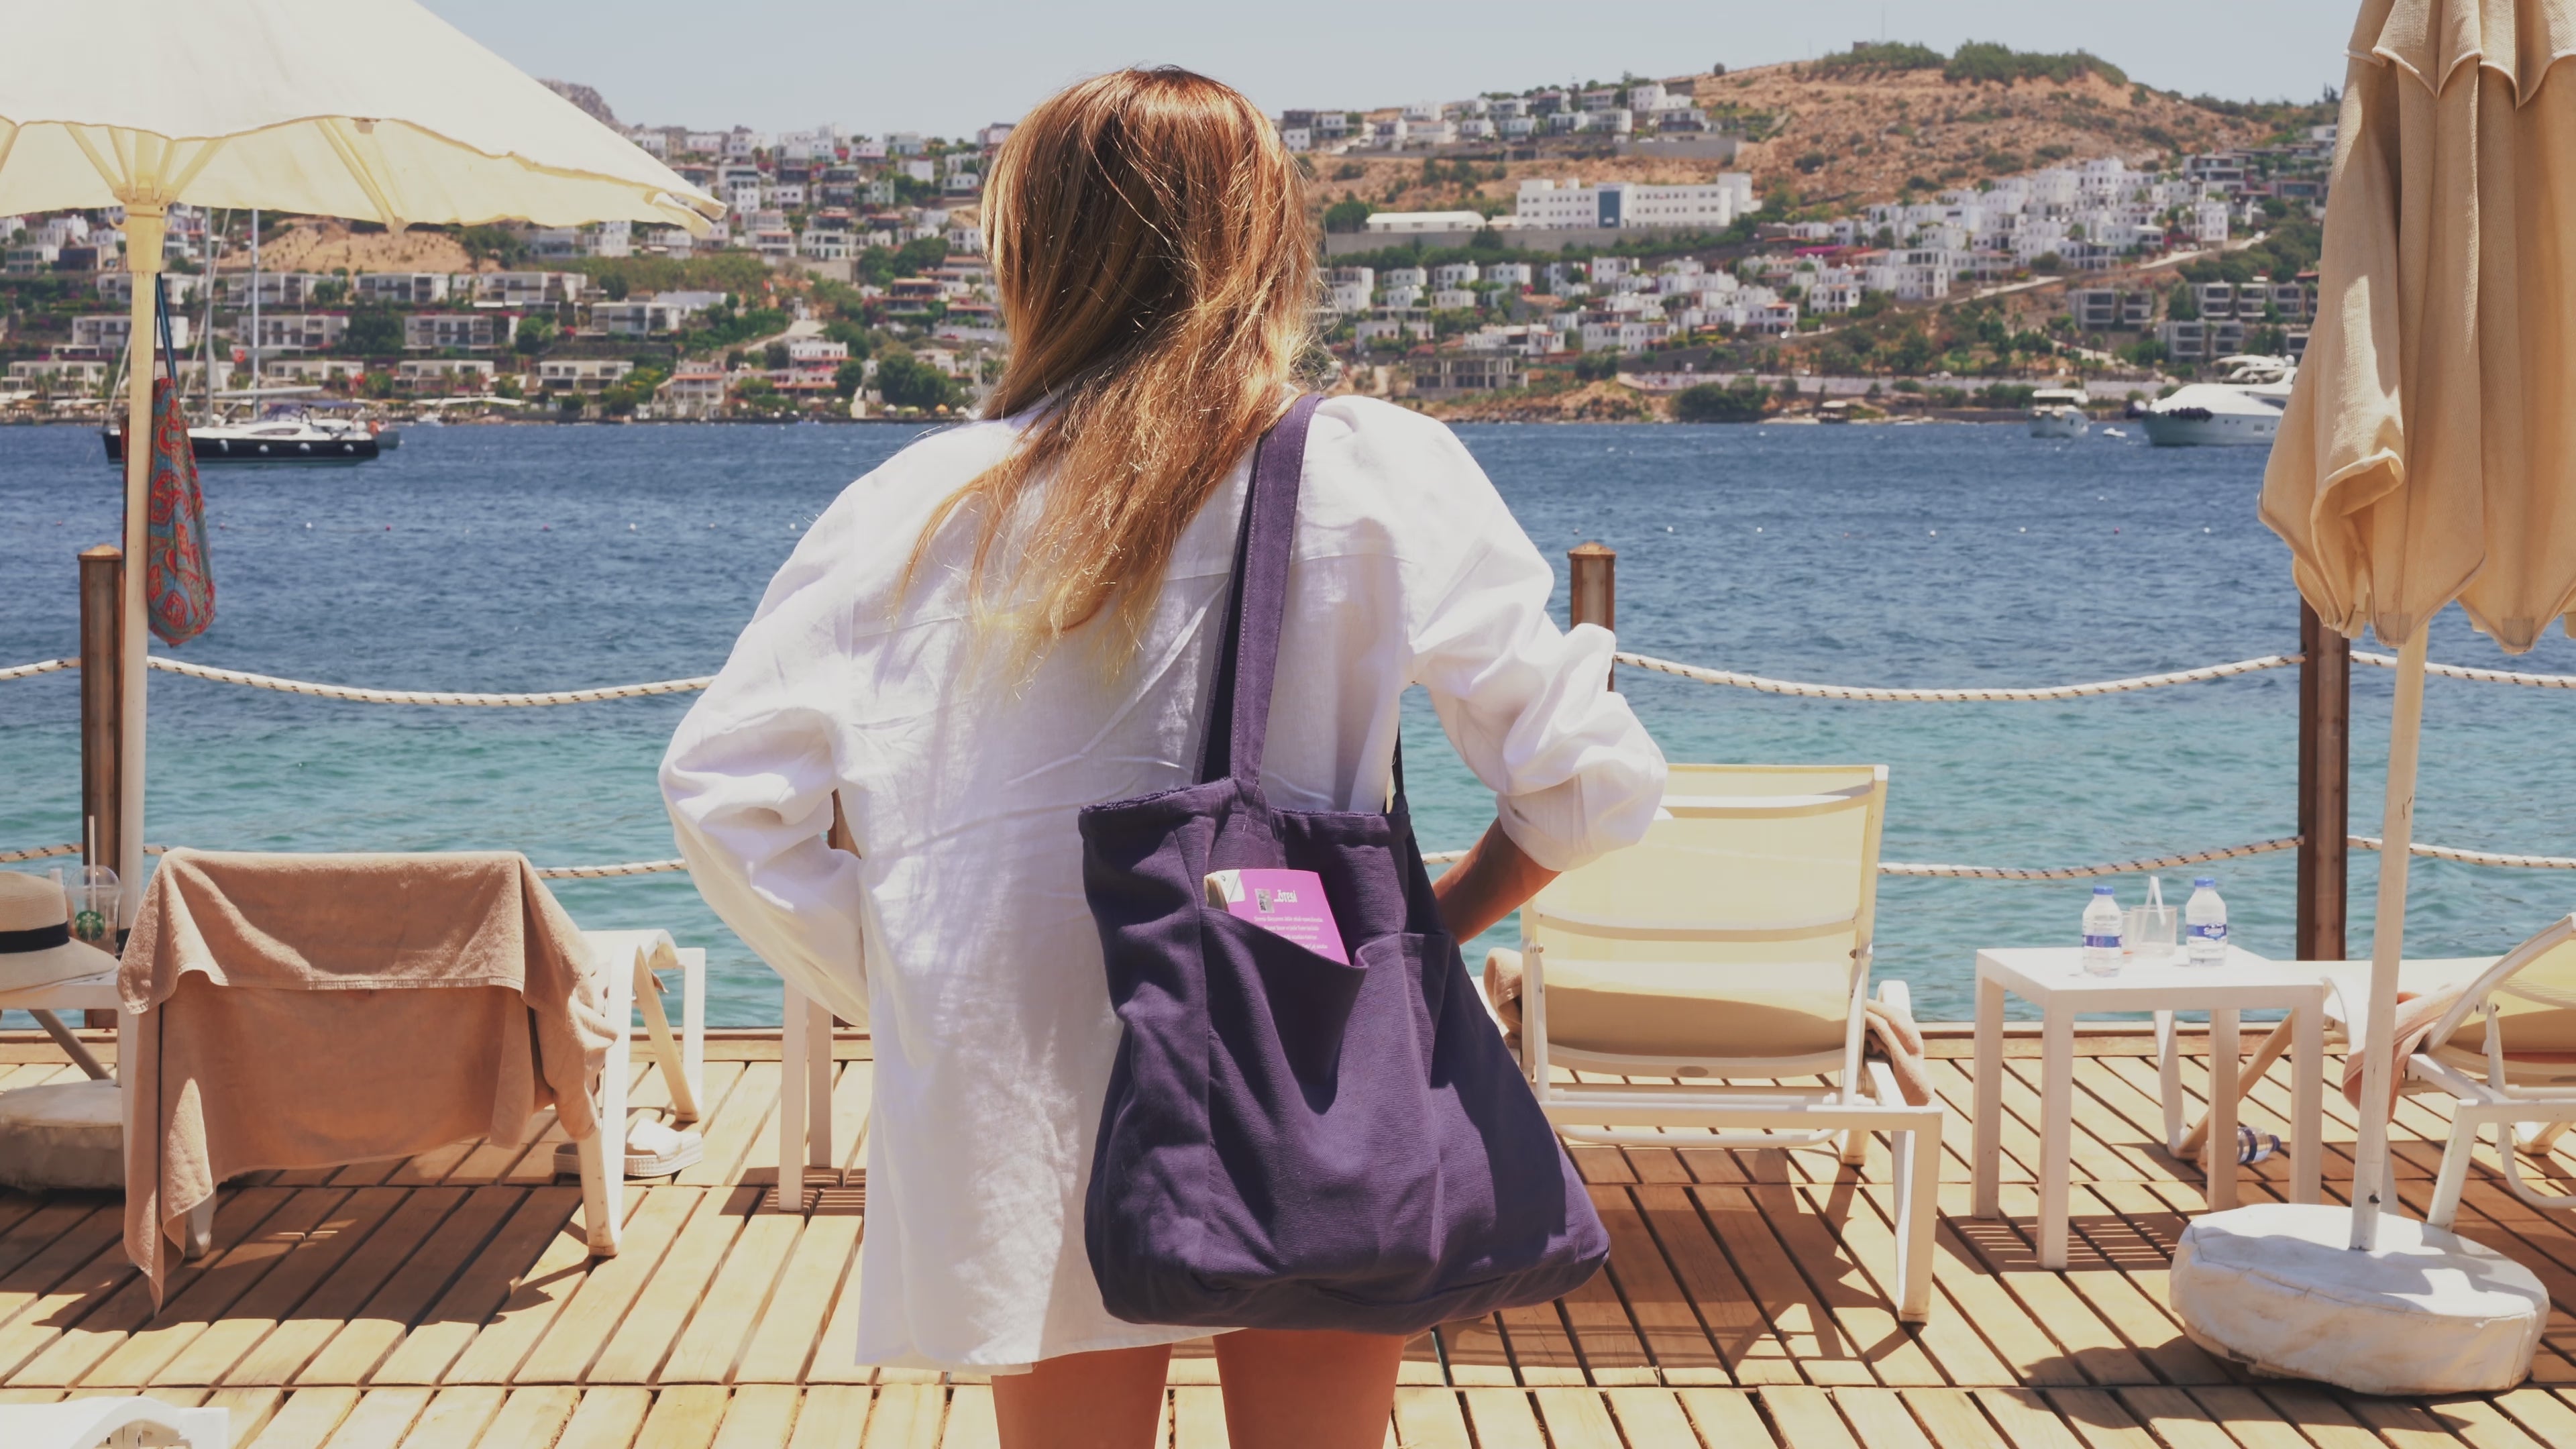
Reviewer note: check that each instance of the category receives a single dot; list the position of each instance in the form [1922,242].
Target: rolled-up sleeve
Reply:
[1528,705]
[749,781]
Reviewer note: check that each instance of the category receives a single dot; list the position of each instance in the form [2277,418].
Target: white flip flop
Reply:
[653,1149]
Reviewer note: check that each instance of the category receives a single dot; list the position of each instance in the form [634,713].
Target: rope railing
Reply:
[1760,684]
[429,696]
[2483,676]
[1885,867]
[1878,694]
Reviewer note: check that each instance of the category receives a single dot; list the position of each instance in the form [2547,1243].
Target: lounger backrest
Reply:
[2533,987]
[1759,871]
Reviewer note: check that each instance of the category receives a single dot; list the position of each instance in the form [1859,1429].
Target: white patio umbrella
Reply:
[374,110]
[2423,458]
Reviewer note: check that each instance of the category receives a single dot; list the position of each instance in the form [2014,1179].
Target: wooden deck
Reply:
[445,1303]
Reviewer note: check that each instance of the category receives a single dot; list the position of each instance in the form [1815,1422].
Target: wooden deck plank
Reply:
[1671,1331]
[1428,1418]
[306,1419]
[685,1417]
[1879,1419]
[1814,1341]
[676,1289]
[1503,1419]
[2176,1418]
[906,1416]
[2545,1415]
[791,1328]
[2001,1250]
[237,1272]
[853,1093]
[1198,1417]
[88,1314]
[608,1418]
[1725,1418]
[1650,1418]
[534,1229]
[1576,1419]
[2098,1419]
[970,1419]
[498,1346]
[32,1233]
[834,1360]
[381,1419]
[2248,1417]
[1604,1335]
[1743,1335]
[1474,1351]
[455,1418]
[581,1328]
[1952,1419]
[730,1308]
[1952,1341]
[375,1330]
[359,1272]
[2101,1257]
[761,1416]
[736,1127]
[2026,1420]
[833,1416]
[1806,1417]
[217,1346]
[1542,1351]
[1865,1315]
[530,1416]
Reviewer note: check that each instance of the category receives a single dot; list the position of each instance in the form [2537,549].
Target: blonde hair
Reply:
[1157,275]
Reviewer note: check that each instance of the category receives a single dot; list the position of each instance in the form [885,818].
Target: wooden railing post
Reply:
[2325,786]
[102,651]
[1592,580]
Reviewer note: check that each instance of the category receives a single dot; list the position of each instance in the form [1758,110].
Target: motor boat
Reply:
[286,435]
[2242,410]
[2058,412]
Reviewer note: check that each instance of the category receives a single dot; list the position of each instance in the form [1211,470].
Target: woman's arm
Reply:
[1495,879]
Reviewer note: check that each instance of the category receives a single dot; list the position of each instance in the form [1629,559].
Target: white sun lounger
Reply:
[113,1423]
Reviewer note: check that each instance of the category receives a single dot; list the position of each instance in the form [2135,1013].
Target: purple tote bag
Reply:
[1291,1142]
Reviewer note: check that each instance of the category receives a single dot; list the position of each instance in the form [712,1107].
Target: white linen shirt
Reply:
[961,933]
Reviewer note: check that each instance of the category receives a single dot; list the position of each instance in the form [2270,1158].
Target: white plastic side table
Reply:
[2053,980]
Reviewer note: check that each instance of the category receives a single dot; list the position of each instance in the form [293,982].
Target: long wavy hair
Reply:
[1157,275]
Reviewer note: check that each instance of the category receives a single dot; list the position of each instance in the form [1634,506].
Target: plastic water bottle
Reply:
[2102,934]
[2204,923]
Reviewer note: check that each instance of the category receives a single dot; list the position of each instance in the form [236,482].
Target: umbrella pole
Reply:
[2388,940]
[143,232]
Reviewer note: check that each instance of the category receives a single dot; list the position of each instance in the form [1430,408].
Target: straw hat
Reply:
[36,945]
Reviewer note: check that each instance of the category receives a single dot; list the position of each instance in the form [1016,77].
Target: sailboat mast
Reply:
[254,306]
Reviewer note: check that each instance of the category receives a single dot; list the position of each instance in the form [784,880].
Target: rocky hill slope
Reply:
[1827,137]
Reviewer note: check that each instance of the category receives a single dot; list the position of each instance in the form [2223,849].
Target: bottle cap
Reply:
[2101,890]
[2204,882]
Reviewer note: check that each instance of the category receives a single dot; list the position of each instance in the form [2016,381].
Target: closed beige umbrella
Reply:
[372,109]
[2428,452]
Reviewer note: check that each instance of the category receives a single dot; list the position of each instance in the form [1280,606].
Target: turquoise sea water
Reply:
[530,558]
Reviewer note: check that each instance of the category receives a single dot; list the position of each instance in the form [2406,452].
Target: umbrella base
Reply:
[2275,1288]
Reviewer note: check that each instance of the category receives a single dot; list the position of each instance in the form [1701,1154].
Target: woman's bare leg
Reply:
[1307,1390]
[1107,1400]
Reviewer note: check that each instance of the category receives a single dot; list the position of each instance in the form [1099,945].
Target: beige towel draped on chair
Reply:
[311,1010]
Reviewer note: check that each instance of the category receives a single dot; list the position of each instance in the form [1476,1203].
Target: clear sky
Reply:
[946,68]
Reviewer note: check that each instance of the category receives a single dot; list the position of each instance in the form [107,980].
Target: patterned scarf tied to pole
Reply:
[178,583]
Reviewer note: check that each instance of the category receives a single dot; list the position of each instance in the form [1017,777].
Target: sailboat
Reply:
[283,429]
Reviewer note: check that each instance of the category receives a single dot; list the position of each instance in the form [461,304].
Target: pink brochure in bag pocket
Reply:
[1287,903]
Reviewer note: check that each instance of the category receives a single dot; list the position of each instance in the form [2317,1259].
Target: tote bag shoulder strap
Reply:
[1238,717]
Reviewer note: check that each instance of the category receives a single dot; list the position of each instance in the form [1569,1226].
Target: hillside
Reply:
[1833,135]
[314,245]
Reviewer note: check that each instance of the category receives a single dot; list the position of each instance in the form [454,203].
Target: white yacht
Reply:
[284,436]
[2244,410]
[2058,412]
